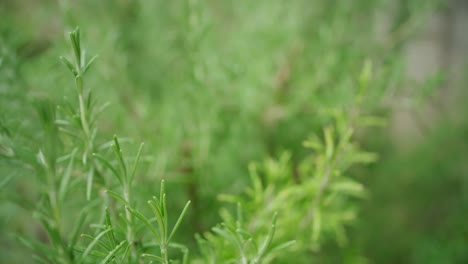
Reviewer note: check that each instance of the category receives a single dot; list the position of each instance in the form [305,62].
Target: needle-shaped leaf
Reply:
[112,253]
[164,209]
[125,254]
[153,257]
[283,245]
[110,235]
[93,253]
[118,152]
[52,232]
[135,163]
[162,192]
[271,233]
[78,226]
[75,41]
[107,164]
[89,183]
[90,62]
[69,65]
[181,216]
[93,243]
[160,220]
[145,221]
[117,196]
[91,238]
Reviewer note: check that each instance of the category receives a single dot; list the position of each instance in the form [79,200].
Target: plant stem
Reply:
[56,213]
[128,215]
[164,254]
[84,122]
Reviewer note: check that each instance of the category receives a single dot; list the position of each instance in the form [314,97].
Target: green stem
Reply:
[57,216]
[84,122]
[164,254]
[128,215]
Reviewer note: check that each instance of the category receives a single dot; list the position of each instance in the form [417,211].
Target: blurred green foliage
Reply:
[291,93]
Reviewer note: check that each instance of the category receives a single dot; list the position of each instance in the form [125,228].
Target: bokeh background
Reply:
[210,86]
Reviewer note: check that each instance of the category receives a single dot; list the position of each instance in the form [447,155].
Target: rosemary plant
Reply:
[211,87]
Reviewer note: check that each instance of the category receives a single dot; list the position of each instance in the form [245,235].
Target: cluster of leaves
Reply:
[121,234]
[317,195]
[228,103]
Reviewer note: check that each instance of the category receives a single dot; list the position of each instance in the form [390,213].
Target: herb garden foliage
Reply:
[253,113]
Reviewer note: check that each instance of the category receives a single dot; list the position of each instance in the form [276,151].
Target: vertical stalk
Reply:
[128,215]
[84,122]
[55,210]
[164,254]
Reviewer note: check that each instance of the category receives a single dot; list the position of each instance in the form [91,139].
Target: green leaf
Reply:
[267,242]
[89,183]
[113,252]
[349,187]
[256,182]
[125,254]
[69,65]
[135,164]
[117,197]
[162,192]
[110,235]
[78,40]
[53,234]
[90,63]
[282,246]
[93,243]
[78,226]
[102,244]
[154,257]
[160,220]
[145,221]
[107,164]
[93,253]
[75,41]
[163,208]
[118,152]
[181,216]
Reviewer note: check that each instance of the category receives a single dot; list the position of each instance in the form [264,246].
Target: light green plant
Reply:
[55,168]
[233,242]
[80,123]
[125,248]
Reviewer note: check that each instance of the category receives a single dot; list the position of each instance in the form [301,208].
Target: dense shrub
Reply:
[255,114]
